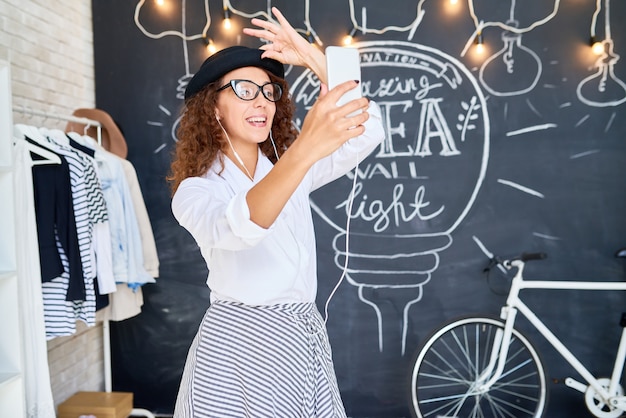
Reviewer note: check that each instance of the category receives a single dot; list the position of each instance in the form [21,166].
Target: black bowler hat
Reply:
[229,59]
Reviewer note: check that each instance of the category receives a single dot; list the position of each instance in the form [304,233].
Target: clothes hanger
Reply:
[111,139]
[49,157]
[55,135]
[21,132]
[85,140]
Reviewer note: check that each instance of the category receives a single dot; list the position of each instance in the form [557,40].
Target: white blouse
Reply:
[251,264]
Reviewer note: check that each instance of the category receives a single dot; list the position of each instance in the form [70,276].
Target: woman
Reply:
[241,179]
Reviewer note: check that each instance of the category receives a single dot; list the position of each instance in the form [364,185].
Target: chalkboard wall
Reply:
[520,148]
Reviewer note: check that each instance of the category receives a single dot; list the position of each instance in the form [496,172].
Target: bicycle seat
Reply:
[621,253]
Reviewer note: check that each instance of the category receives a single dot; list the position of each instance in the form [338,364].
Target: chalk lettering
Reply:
[396,212]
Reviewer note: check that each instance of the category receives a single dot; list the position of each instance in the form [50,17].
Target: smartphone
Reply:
[343,64]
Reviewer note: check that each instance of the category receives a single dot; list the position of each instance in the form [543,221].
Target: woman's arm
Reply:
[325,128]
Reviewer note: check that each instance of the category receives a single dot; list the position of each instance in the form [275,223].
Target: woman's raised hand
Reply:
[286,45]
[326,126]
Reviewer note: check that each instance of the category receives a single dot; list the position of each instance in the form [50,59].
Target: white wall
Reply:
[50,45]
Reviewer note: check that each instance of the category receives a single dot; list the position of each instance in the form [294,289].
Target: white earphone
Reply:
[233,148]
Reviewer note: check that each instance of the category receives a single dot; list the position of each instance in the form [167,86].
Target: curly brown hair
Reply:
[200,137]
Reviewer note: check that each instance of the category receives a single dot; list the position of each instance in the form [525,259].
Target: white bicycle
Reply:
[479,367]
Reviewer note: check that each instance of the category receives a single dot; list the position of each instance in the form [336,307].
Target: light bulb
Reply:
[597,48]
[603,88]
[210,47]
[160,2]
[227,24]
[480,48]
[513,70]
[349,38]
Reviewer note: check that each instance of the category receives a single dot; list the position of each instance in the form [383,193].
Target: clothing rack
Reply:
[68,118]
[106,336]
[107,370]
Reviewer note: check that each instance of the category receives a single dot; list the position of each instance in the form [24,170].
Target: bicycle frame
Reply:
[514,305]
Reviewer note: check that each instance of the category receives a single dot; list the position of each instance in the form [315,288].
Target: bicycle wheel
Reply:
[447,366]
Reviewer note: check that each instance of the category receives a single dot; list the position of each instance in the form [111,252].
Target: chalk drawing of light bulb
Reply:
[400,20]
[414,191]
[603,88]
[249,9]
[513,70]
[180,30]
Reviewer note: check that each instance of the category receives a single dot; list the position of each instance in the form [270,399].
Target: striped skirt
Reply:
[260,362]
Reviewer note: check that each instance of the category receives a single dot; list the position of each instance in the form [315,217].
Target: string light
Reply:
[227,24]
[349,38]
[597,47]
[479,43]
[210,45]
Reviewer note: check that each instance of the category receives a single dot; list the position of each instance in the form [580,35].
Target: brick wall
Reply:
[50,45]
[51,50]
[76,363]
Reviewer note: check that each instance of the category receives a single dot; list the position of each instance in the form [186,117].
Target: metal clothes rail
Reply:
[68,118]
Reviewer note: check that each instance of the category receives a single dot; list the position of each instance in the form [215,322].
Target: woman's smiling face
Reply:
[247,122]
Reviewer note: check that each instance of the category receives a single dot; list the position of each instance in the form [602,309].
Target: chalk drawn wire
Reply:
[363,28]
[182,34]
[267,14]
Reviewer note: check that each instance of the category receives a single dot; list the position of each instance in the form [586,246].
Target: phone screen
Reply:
[343,64]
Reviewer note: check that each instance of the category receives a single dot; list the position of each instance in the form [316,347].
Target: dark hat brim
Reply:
[229,59]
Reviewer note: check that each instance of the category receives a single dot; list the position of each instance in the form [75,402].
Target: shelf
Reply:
[8,378]
[7,223]
[12,402]
[12,388]
[6,124]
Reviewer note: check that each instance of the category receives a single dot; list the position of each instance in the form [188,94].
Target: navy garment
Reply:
[54,213]
[86,150]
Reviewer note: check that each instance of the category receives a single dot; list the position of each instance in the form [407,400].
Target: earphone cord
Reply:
[274,145]
[345,264]
[233,150]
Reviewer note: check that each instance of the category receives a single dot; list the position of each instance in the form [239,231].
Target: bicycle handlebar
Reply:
[524,257]
[532,256]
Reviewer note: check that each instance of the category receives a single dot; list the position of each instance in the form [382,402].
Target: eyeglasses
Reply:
[249,90]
